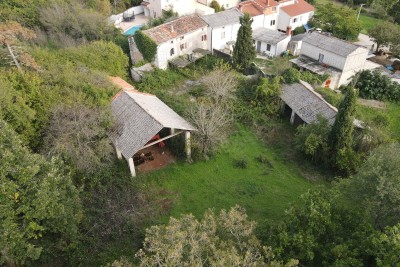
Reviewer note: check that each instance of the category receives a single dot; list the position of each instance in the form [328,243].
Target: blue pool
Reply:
[131,31]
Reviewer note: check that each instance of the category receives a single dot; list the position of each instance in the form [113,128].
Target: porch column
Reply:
[132,167]
[187,146]
[292,117]
[119,154]
[172,130]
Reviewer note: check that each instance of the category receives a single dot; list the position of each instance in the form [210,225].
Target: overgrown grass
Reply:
[393,113]
[368,22]
[264,187]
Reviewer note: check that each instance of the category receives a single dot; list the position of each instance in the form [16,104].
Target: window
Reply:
[172,41]
[204,37]
[222,35]
[272,22]
[183,46]
[171,52]
[295,20]
[321,58]
[274,9]
[182,37]
[268,47]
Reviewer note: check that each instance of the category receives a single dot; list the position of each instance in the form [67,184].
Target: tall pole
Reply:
[359,11]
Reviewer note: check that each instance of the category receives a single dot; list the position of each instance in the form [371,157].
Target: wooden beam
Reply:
[162,139]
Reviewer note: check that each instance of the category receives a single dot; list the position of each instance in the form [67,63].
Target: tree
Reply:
[320,231]
[214,4]
[221,82]
[312,139]
[374,85]
[341,134]
[376,186]
[387,246]
[38,203]
[268,94]
[339,20]
[79,134]
[226,239]
[10,34]
[382,33]
[211,119]
[244,51]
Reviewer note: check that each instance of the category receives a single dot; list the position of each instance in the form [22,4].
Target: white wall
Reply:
[329,58]
[286,20]
[193,41]
[356,60]
[283,20]
[228,3]
[264,21]
[275,50]
[215,40]
[116,19]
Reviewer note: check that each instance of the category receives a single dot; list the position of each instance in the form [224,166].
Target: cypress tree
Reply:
[244,51]
[341,136]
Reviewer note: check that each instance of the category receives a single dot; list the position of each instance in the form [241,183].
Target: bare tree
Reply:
[221,82]
[10,34]
[79,134]
[211,121]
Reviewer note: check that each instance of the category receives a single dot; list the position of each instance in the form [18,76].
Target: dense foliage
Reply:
[226,239]
[338,20]
[146,46]
[38,202]
[384,34]
[340,138]
[244,51]
[374,85]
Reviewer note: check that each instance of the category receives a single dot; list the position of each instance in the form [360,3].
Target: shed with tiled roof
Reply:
[138,118]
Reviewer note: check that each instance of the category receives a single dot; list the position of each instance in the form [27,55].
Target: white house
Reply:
[295,43]
[222,28]
[322,54]
[264,12]
[294,13]
[178,37]
[154,8]
[223,3]
[271,42]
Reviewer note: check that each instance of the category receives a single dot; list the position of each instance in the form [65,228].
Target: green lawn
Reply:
[264,189]
[368,23]
[393,113]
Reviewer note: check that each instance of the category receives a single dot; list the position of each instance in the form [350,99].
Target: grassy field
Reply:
[264,189]
[368,23]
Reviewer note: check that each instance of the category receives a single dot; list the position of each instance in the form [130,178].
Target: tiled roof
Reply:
[227,17]
[170,30]
[331,44]
[298,8]
[120,83]
[307,103]
[138,118]
[256,7]
[268,35]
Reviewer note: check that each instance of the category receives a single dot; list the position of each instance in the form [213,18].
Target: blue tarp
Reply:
[307,27]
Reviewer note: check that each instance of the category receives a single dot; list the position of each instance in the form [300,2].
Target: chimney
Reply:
[267,2]
[289,30]
[172,28]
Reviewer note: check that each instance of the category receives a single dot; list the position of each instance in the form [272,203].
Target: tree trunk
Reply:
[13,57]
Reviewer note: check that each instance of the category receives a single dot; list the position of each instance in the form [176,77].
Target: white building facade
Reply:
[223,28]
[177,38]
[270,42]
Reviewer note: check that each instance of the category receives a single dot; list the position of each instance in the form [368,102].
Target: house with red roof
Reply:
[294,13]
[277,15]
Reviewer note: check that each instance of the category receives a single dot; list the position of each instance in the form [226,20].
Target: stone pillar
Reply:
[188,146]
[292,117]
[172,130]
[132,167]
[119,154]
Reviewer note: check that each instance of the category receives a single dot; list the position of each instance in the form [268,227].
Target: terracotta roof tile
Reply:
[256,7]
[120,83]
[175,28]
[298,8]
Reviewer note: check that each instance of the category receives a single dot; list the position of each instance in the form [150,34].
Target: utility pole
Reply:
[359,11]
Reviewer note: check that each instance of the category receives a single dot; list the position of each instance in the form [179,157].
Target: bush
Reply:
[299,30]
[240,163]
[374,85]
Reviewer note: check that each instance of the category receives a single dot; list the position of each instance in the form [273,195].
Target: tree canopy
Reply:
[341,21]
[244,51]
[38,202]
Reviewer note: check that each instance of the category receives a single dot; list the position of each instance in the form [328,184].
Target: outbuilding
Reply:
[139,119]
